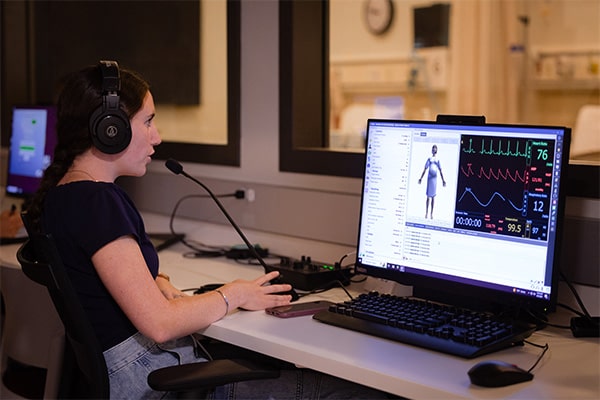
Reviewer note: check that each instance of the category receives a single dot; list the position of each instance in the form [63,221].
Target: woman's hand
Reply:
[168,290]
[257,294]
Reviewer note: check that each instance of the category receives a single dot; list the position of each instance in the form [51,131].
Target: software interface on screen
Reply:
[473,204]
[31,145]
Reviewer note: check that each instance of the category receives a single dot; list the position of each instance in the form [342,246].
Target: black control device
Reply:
[306,274]
[585,327]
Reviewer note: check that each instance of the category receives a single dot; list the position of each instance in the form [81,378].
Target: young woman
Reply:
[105,130]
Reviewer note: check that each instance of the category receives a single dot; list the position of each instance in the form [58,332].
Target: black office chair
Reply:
[84,372]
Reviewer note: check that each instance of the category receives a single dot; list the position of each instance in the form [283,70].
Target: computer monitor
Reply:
[32,142]
[467,213]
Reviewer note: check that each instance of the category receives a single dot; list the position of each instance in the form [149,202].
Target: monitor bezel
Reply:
[471,295]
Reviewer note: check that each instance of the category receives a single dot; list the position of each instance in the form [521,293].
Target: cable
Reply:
[344,256]
[545,348]
[253,261]
[574,311]
[545,322]
[198,253]
[199,249]
[577,298]
[353,265]
[328,286]
[584,325]
[364,278]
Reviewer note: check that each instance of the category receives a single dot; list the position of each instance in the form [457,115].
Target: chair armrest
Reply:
[208,374]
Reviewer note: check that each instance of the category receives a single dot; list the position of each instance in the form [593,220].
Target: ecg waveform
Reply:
[500,148]
[468,190]
[498,174]
[504,185]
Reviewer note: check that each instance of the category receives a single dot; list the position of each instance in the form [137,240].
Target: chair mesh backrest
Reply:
[84,371]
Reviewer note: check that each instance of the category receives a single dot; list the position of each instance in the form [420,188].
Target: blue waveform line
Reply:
[468,190]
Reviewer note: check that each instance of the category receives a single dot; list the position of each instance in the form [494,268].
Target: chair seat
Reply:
[213,373]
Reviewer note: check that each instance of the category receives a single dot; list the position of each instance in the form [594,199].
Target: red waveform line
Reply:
[491,174]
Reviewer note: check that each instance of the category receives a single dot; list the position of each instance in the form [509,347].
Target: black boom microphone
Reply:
[175,167]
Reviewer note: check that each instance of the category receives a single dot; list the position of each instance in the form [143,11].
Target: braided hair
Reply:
[79,95]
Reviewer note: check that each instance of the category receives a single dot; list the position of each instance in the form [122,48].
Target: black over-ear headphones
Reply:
[109,125]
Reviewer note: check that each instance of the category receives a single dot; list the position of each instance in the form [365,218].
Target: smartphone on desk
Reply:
[299,309]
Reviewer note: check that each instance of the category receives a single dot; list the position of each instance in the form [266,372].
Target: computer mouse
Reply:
[493,373]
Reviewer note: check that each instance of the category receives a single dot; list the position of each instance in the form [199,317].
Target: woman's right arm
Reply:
[123,270]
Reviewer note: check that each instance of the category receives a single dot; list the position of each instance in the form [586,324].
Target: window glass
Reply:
[522,61]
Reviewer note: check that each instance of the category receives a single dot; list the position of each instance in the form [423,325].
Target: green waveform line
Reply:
[490,150]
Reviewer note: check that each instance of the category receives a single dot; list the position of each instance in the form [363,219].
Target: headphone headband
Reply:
[111,77]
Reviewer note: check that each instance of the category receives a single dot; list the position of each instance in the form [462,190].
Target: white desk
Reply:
[570,369]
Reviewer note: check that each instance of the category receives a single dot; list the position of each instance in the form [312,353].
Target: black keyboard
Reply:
[434,326]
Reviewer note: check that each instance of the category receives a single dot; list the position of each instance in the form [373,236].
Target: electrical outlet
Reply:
[247,194]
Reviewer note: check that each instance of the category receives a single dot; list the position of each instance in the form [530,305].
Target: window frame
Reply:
[303,72]
[227,154]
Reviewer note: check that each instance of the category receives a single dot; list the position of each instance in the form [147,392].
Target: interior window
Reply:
[196,84]
[343,62]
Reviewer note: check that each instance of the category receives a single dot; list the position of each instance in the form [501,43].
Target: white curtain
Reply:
[488,74]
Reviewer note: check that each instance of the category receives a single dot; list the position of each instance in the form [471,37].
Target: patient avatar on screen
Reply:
[434,167]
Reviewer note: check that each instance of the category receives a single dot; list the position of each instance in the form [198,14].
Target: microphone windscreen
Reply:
[174,166]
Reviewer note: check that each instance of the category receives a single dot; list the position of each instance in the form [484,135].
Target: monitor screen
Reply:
[32,142]
[465,212]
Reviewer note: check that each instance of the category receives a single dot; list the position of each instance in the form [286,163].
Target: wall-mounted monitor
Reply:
[431,25]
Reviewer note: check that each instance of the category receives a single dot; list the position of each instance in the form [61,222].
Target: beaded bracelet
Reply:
[226,301]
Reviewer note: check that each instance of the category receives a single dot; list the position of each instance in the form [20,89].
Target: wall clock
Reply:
[379,15]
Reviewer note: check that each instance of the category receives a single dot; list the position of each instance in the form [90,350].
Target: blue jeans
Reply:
[130,362]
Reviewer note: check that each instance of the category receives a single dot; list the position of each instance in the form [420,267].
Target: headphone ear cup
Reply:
[110,130]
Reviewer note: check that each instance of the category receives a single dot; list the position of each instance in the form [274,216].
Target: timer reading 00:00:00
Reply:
[466,221]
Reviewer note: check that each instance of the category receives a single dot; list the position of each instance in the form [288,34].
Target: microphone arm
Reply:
[175,167]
